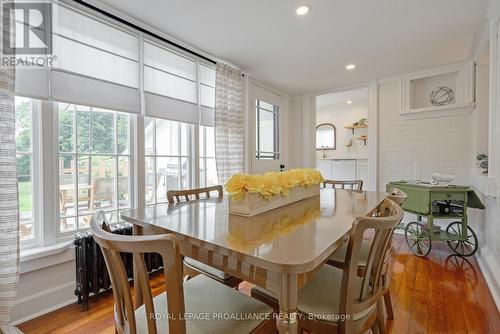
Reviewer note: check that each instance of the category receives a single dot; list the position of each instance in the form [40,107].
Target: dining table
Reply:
[279,250]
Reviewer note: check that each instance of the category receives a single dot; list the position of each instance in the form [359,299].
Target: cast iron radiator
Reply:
[91,272]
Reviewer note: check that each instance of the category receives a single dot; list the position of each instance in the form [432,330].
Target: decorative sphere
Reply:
[441,96]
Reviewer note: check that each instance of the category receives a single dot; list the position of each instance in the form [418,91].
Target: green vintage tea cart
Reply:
[439,202]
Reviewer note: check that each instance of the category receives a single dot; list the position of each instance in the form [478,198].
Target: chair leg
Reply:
[376,328]
[380,317]
[388,305]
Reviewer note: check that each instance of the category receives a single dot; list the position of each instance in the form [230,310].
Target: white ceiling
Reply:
[308,54]
[332,99]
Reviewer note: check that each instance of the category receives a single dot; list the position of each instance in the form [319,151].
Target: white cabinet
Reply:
[325,168]
[343,170]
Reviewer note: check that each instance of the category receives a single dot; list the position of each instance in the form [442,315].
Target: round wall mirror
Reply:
[326,136]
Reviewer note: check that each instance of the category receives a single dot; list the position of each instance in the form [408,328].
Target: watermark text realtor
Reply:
[27,34]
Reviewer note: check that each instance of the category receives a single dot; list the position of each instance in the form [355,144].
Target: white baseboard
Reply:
[491,271]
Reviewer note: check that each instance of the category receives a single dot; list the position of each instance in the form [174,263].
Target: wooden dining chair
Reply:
[338,259]
[347,291]
[350,184]
[166,313]
[186,195]
[193,267]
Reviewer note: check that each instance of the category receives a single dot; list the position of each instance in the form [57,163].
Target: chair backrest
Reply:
[362,289]
[397,196]
[350,184]
[184,195]
[167,246]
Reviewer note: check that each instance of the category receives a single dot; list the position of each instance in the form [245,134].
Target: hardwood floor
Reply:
[442,293]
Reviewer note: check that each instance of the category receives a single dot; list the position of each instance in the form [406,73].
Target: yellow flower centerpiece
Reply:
[254,194]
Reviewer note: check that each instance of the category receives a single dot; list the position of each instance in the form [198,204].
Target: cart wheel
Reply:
[418,239]
[465,247]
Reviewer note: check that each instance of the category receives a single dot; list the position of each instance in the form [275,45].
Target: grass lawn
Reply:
[25,196]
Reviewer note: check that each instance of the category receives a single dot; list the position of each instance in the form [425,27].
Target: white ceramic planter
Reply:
[254,204]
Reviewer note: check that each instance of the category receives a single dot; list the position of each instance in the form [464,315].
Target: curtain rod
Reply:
[145,31]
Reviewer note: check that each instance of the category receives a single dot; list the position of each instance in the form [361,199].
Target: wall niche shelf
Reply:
[418,86]
[353,127]
[363,138]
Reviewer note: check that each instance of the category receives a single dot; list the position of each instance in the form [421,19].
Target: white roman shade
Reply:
[67,87]
[170,84]
[96,63]
[207,95]
[32,83]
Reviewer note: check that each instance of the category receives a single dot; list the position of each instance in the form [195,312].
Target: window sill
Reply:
[486,185]
[42,257]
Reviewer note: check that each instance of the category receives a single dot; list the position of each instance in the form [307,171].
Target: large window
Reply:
[167,158]
[24,155]
[208,171]
[267,134]
[94,164]
[74,158]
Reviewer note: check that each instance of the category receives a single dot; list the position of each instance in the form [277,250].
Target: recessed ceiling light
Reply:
[303,10]
[349,102]
[350,67]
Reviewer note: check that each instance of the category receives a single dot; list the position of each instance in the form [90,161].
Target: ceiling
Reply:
[306,54]
[356,96]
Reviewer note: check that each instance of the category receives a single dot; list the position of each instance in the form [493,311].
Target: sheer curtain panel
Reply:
[229,122]
[9,212]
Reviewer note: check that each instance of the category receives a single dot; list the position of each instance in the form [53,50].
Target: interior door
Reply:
[267,120]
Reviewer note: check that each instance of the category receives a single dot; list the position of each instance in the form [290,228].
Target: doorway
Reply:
[342,150]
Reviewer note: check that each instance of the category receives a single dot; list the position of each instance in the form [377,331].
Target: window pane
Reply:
[149,124]
[24,164]
[103,132]
[210,142]
[150,180]
[67,224]
[267,122]
[184,138]
[67,180]
[211,172]
[102,186]
[23,125]
[202,173]
[84,183]
[83,129]
[84,222]
[167,137]
[266,131]
[167,170]
[66,121]
[202,141]
[123,182]
[97,176]
[123,128]
[185,173]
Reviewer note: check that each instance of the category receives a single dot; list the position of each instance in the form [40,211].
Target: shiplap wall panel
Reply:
[443,144]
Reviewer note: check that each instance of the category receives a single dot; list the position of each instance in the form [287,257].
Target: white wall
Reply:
[341,115]
[441,144]
[482,109]
[44,287]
